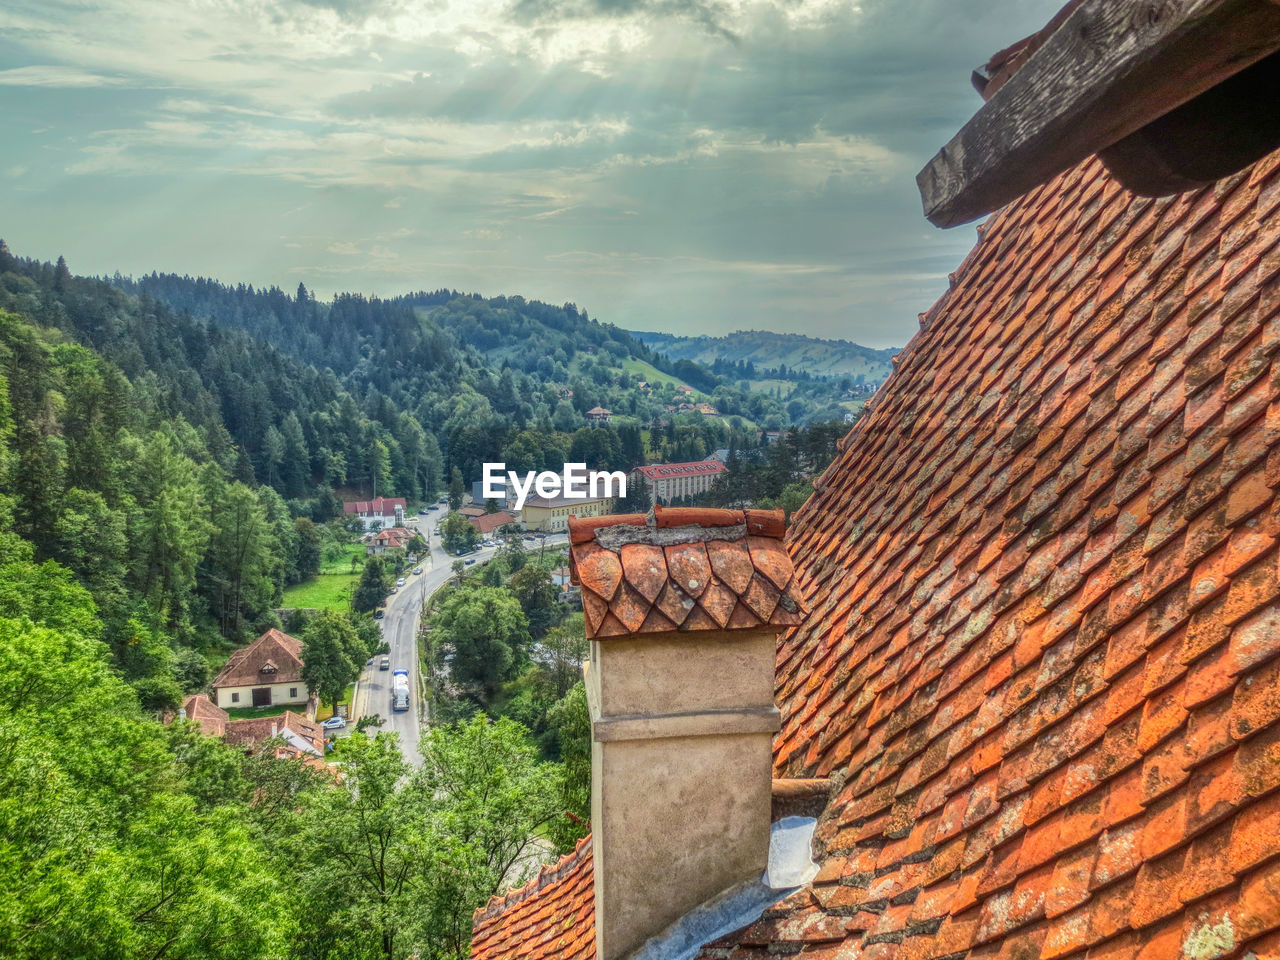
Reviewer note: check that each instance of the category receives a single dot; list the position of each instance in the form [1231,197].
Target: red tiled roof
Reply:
[396,536]
[1043,571]
[668,471]
[378,507]
[488,522]
[211,718]
[274,647]
[252,731]
[683,569]
[599,412]
[551,916]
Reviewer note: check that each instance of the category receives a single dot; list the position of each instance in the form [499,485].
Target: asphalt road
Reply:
[400,630]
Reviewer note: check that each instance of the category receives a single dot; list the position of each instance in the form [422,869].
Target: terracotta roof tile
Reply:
[552,916]
[683,568]
[275,650]
[1044,644]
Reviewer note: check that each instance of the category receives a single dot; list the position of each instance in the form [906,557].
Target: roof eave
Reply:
[1109,69]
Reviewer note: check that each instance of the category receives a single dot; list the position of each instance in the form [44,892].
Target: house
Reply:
[488,523]
[684,388]
[1035,694]
[706,410]
[770,436]
[471,512]
[390,539]
[672,481]
[301,736]
[551,514]
[560,576]
[599,415]
[380,512]
[203,712]
[265,673]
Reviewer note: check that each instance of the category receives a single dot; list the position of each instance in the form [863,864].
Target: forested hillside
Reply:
[765,353]
[161,479]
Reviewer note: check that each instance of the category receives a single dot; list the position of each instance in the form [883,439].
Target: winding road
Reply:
[400,630]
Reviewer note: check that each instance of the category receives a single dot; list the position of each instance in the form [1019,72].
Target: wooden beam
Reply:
[1110,69]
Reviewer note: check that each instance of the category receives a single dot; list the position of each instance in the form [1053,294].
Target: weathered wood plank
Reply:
[1111,68]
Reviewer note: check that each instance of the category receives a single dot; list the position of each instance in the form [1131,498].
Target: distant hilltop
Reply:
[768,351]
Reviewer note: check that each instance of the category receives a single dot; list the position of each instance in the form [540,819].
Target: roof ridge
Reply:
[547,873]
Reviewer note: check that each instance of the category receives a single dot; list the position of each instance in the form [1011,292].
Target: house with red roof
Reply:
[380,512]
[266,673]
[389,539]
[488,523]
[1033,682]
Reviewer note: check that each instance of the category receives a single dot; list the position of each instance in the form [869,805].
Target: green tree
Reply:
[536,594]
[374,585]
[236,572]
[485,637]
[457,534]
[457,488]
[332,653]
[489,796]
[570,723]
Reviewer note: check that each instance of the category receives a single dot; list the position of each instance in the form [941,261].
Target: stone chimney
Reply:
[683,608]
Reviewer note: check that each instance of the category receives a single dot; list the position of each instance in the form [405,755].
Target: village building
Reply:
[489,523]
[1033,694]
[551,514]
[266,673]
[208,716]
[390,539]
[300,735]
[380,512]
[599,415]
[673,481]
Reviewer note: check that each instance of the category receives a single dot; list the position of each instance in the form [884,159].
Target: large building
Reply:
[380,512]
[1036,688]
[673,481]
[266,673]
[551,514]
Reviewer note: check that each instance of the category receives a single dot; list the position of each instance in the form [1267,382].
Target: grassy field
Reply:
[648,372]
[328,591]
[325,710]
[343,563]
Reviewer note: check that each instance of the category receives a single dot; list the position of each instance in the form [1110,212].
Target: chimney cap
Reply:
[683,569]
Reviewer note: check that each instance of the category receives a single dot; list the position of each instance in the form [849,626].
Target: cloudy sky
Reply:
[665,164]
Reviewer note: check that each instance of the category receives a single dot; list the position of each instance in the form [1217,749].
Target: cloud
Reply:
[675,163]
[49,75]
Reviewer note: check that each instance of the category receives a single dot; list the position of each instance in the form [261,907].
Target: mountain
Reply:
[769,352]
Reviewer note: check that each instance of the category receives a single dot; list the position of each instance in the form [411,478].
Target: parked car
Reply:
[432,507]
[379,613]
[399,581]
[469,562]
[394,589]
[417,570]
[384,663]
[335,723]
[425,509]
